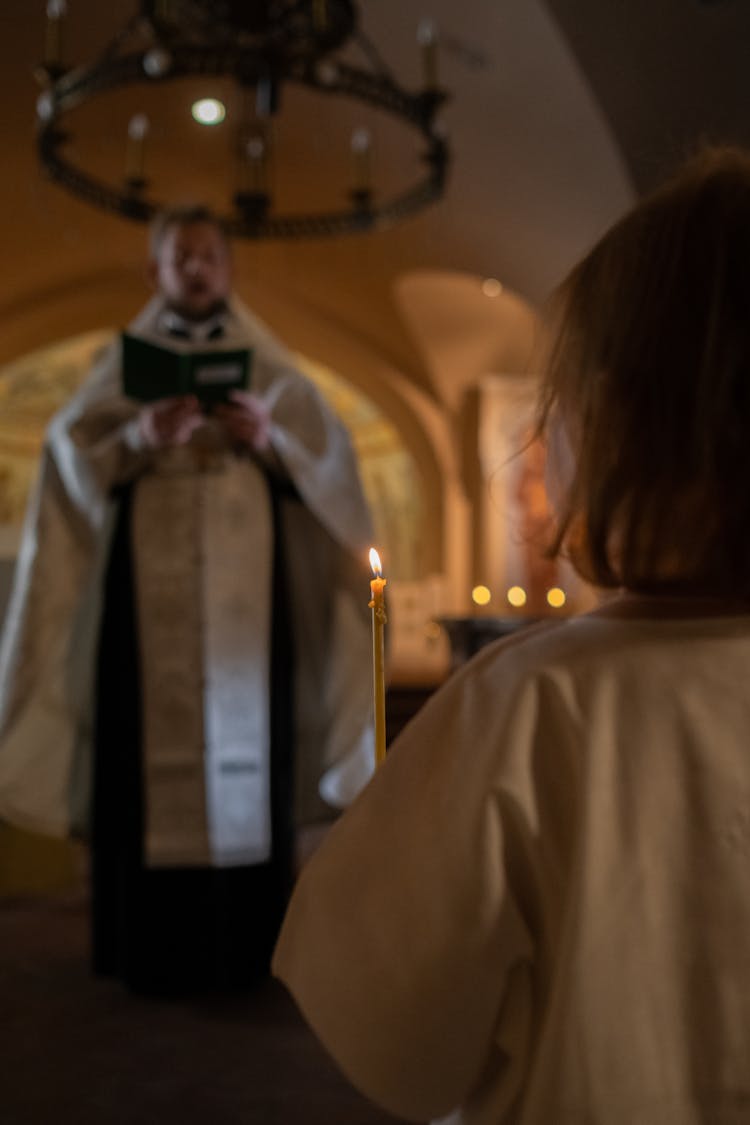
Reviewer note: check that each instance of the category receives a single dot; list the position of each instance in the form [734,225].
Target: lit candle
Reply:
[377,605]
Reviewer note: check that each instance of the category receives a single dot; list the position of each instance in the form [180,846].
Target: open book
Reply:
[152,371]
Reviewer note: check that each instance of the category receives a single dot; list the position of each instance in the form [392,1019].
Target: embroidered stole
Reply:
[203,540]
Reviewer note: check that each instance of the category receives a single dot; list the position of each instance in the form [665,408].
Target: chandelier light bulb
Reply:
[208,111]
[56,9]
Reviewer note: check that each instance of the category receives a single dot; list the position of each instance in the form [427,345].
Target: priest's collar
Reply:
[171,323]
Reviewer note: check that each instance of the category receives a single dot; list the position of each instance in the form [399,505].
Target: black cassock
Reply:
[178,930]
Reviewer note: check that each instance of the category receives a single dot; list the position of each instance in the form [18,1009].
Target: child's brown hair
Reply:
[649,375]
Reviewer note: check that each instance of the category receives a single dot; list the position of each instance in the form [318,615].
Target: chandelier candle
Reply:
[138,127]
[377,605]
[427,38]
[56,11]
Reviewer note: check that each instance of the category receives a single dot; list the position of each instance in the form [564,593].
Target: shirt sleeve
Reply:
[404,932]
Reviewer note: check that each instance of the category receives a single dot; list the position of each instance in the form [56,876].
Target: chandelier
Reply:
[262,48]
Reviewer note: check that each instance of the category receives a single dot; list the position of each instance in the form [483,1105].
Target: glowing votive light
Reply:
[516,596]
[208,111]
[556,597]
[480,595]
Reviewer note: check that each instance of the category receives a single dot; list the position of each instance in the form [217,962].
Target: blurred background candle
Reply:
[377,605]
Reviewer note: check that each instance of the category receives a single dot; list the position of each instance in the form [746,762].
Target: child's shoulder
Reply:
[547,641]
[596,641]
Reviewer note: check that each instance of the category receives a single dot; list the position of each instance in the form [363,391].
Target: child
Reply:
[539,910]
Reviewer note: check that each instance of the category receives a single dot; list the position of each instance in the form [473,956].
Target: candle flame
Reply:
[375,562]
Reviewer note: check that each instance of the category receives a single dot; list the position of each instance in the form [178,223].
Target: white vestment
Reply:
[538,909]
[203,542]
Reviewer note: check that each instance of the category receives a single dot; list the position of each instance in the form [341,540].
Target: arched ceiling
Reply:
[465,328]
[557,110]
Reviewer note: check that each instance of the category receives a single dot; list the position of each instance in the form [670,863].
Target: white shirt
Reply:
[539,907]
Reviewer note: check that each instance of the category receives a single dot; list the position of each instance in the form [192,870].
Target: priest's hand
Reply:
[247,420]
[170,421]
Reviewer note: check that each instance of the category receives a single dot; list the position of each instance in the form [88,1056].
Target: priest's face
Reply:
[192,269]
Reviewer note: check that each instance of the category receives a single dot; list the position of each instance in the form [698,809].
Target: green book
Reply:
[152,371]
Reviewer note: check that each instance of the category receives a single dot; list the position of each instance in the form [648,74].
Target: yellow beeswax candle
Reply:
[377,605]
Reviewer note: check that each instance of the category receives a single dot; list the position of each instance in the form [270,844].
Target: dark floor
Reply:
[75,1050]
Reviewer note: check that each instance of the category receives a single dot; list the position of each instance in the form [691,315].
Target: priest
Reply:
[184,670]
